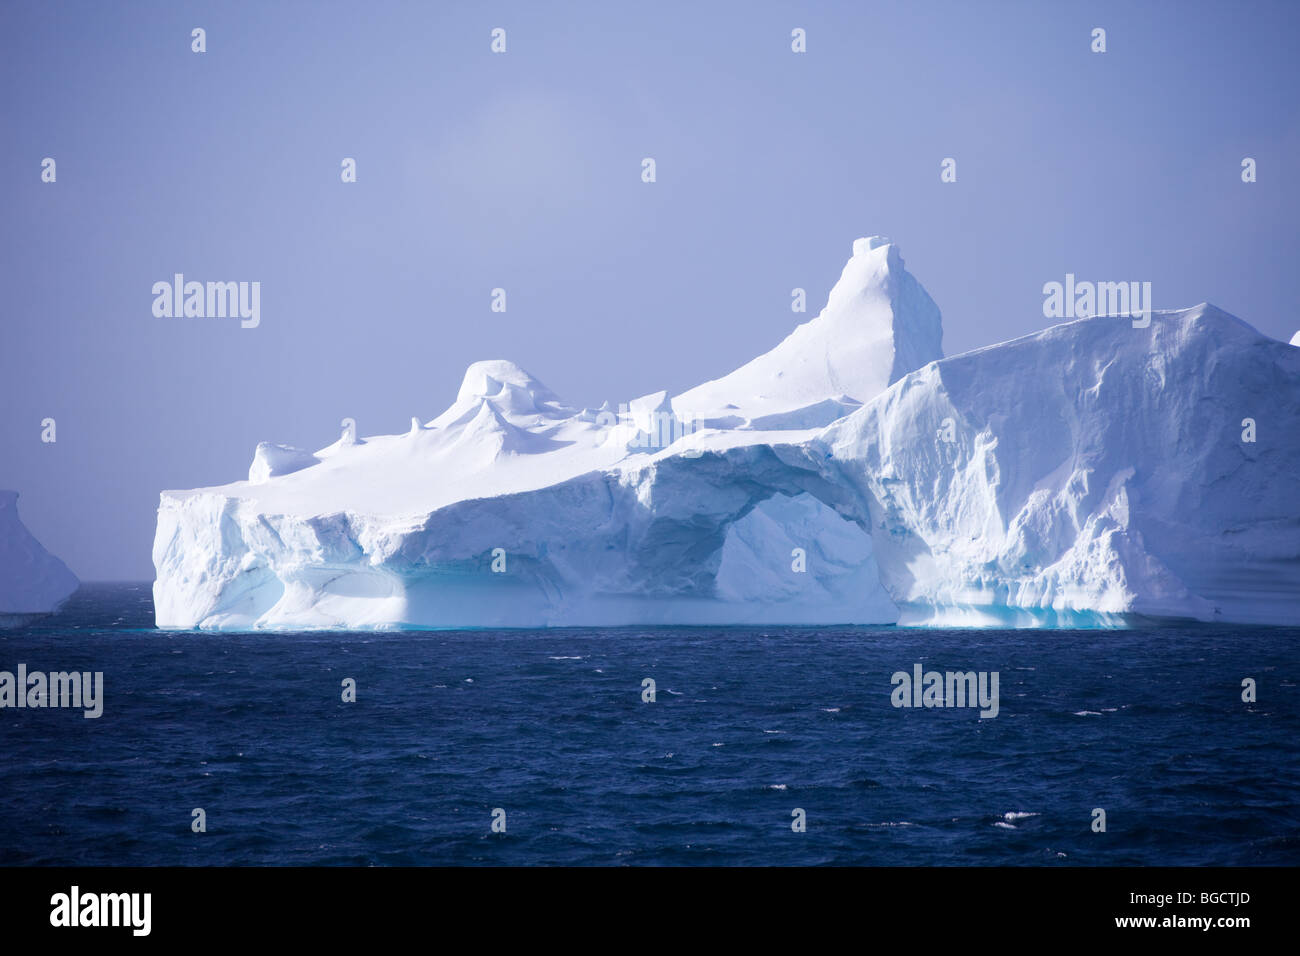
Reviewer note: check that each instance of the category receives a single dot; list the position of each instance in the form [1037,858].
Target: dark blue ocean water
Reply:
[749,724]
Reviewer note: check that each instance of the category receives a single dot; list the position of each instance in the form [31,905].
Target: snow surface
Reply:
[32,581]
[850,475]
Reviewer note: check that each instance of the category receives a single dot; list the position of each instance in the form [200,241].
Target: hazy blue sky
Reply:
[523,170]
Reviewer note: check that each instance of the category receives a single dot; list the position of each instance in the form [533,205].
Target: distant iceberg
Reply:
[850,475]
[33,582]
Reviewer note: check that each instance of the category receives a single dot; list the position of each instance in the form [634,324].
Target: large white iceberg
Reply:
[33,582]
[850,475]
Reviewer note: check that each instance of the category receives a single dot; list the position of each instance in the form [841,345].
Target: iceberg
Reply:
[851,475]
[33,582]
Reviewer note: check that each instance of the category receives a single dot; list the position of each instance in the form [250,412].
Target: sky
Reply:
[522,171]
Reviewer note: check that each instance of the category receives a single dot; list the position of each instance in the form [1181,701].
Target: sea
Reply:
[1164,744]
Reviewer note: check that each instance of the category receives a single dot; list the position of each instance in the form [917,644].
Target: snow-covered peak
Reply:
[875,260]
[491,378]
[878,325]
[865,245]
[511,391]
[1295,339]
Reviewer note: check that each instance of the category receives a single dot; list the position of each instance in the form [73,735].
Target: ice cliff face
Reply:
[1092,469]
[1073,476]
[32,581]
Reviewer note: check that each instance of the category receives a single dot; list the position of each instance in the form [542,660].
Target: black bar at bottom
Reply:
[330,905]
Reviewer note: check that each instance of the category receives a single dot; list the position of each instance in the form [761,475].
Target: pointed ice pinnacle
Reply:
[878,325]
